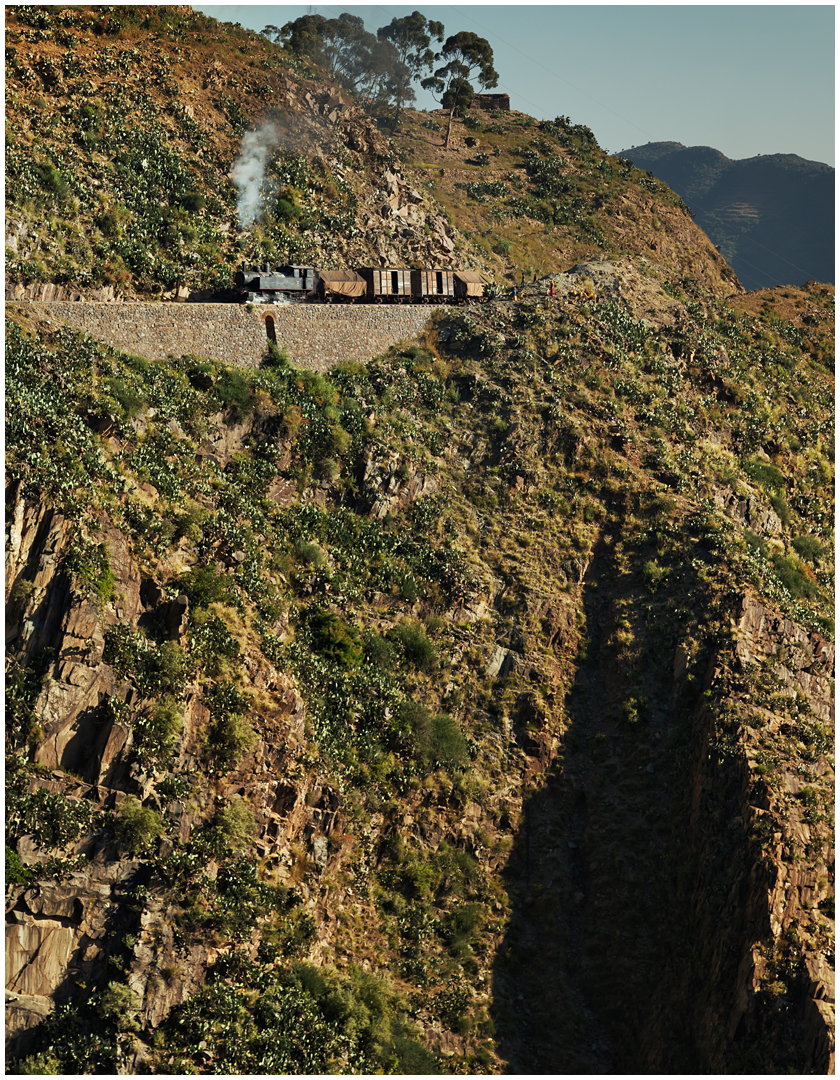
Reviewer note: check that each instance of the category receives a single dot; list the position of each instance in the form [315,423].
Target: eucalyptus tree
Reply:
[305,36]
[363,63]
[468,59]
[412,38]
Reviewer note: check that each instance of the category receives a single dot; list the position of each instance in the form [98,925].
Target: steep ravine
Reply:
[640,920]
[464,680]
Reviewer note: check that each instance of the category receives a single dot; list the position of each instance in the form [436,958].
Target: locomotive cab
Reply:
[263,284]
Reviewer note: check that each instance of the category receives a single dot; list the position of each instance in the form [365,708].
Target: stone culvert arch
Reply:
[270,330]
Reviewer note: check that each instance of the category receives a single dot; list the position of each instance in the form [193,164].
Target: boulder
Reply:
[502,661]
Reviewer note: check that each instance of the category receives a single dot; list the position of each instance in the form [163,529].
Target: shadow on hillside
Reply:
[594,876]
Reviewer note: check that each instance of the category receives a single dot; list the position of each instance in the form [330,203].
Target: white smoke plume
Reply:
[248,171]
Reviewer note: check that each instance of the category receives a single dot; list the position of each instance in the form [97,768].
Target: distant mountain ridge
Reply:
[772,216]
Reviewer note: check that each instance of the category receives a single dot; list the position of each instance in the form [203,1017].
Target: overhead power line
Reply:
[551,71]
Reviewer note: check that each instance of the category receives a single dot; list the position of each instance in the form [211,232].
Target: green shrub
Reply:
[635,709]
[755,543]
[129,399]
[234,394]
[452,1005]
[46,1064]
[205,585]
[766,476]
[317,388]
[22,590]
[156,734]
[436,740]
[459,928]
[416,647]
[809,547]
[167,670]
[229,734]
[409,589]
[292,421]
[210,641]
[336,639]
[286,211]
[277,357]
[109,223]
[412,1059]
[779,504]
[235,824]
[22,688]
[414,720]
[309,552]
[53,819]
[137,826]
[192,201]
[379,651]
[661,506]
[363,1009]
[340,440]
[792,575]
[652,575]
[230,737]
[52,181]
[16,872]
[91,563]
[328,468]
[119,1004]
[189,522]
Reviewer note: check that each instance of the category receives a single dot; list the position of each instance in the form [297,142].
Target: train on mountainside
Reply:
[370,285]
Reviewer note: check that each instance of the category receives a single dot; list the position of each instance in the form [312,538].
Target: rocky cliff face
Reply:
[672,897]
[787,889]
[322,684]
[469,710]
[64,934]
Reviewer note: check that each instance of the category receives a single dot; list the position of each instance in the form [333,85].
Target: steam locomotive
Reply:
[376,285]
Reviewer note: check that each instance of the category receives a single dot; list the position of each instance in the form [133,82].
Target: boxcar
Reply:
[386,284]
[469,286]
[433,286]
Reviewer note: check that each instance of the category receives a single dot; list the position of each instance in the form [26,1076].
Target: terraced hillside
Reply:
[772,216]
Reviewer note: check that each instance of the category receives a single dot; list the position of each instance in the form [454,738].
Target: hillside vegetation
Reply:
[467,711]
[122,127]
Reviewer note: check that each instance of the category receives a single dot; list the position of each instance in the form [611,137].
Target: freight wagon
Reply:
[375,285]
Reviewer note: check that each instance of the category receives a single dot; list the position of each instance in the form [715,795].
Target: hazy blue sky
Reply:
[744,79]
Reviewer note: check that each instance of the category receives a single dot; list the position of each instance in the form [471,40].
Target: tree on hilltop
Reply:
[469,58]
[366,65]
[305,36]
[411,36]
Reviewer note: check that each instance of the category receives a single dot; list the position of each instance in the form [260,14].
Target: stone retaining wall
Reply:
[316,336]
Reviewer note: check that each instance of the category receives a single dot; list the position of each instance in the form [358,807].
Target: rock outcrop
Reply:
[788,877]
